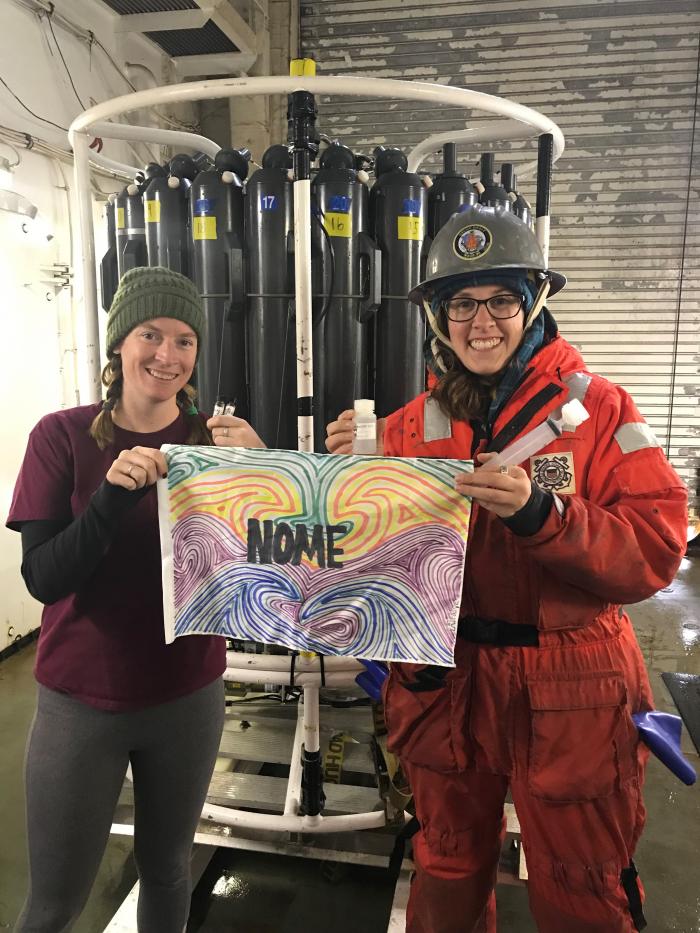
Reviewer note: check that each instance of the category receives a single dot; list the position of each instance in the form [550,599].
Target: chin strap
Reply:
[434,324]
[539,302]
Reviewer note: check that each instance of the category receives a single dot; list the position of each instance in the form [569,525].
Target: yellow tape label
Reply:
[333,759]
[410,228]
[337,224]
[120,218]
[152,212]
[204,228]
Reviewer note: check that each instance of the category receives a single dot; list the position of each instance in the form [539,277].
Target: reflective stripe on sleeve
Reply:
[635,436]
[437,426]
[577,384]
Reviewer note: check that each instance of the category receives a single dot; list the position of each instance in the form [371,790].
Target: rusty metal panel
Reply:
[621,79]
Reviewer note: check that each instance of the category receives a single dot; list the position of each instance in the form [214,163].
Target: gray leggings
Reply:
[76,761]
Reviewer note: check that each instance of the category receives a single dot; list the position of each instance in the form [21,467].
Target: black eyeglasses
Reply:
[500,307]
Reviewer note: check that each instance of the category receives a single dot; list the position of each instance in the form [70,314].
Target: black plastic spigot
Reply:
[303,134]
[313,797]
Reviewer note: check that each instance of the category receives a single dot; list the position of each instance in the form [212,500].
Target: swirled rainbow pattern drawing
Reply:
[396,596]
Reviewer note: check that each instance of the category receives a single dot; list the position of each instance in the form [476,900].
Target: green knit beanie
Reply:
[148,292]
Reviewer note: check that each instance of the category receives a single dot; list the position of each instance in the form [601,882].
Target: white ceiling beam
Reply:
[225,63]
[232,24]
[159,22]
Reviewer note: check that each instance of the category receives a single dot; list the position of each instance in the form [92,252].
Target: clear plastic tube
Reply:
[572,415]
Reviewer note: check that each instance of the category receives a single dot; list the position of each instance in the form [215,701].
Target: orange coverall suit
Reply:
[552,721]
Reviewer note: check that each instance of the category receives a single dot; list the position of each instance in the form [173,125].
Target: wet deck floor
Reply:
[245,892]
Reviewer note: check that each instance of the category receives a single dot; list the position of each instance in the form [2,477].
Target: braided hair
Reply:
[102,427]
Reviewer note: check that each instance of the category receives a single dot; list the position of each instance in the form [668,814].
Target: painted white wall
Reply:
[38,373]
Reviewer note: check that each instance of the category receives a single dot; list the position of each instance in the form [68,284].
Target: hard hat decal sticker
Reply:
[554,473]
[473,242]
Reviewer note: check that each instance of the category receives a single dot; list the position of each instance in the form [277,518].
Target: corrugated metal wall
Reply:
[621,79]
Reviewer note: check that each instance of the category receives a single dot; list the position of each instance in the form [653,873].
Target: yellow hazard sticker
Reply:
[204,228]
[333,759]
[152,212]
[410,228]
[337,224]
[120,218]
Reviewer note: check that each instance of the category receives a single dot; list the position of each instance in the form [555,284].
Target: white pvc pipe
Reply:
[311,719]
[87,290]
[247,819]
[153,134]
[302,305]
[491,132]
[351,86]
[283,662]
[255,676]
[293,796]
[127,172]
[542,234]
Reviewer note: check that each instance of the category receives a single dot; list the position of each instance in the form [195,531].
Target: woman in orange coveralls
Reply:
[548,669]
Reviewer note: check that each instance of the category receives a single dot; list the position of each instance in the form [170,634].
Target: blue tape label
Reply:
[268,202]
[339,203]
[204,205]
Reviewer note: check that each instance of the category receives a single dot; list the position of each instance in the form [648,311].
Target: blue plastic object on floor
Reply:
[372,678]
[662,733]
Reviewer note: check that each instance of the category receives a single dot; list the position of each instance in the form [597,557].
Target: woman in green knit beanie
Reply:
[111,692]
[154,329]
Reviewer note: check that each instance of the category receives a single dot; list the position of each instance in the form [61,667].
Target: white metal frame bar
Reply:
[491,132]
[153,134]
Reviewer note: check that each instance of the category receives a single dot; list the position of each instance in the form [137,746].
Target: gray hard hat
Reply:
[478,240]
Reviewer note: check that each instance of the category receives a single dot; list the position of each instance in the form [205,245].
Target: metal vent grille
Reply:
[620,77]
[131,7]
[205,41]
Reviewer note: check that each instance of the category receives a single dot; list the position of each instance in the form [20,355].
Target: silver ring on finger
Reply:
[503,469]
[225,432]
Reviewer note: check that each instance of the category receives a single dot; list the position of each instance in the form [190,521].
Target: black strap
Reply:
[397,855]
[292,665]
[523,417]
[628,878]
[494,632]
[430,677]
[497,632]
[323,670]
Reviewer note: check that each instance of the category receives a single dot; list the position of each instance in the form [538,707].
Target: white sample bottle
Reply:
[364,439]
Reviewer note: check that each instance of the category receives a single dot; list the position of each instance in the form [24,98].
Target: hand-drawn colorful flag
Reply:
[342,555]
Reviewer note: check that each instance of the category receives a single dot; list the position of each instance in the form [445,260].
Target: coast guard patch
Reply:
[554,472]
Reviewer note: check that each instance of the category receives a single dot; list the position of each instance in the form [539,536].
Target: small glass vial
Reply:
[365,430]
